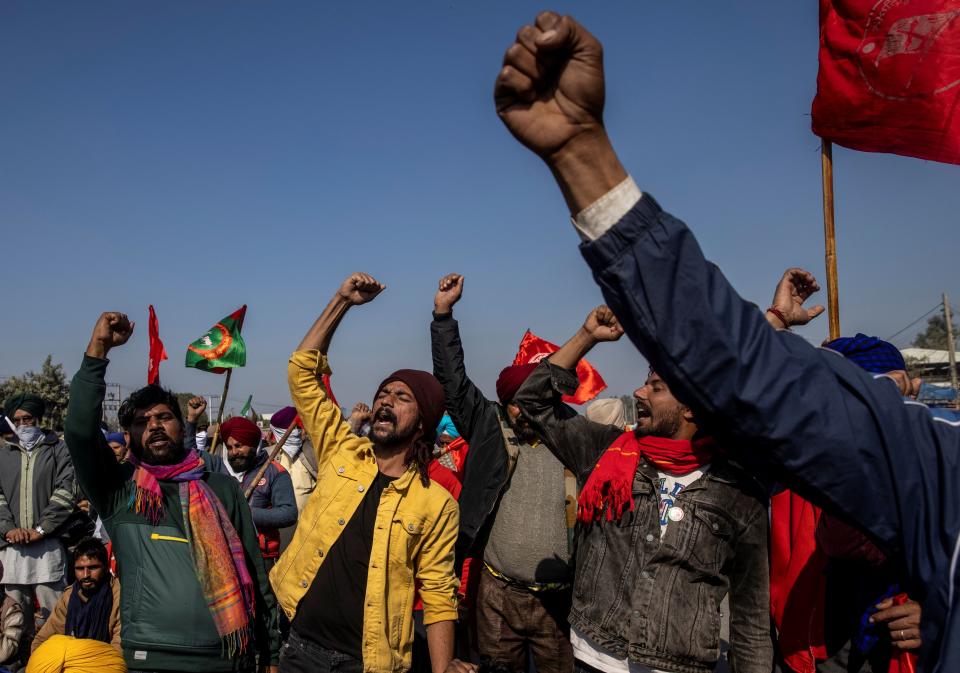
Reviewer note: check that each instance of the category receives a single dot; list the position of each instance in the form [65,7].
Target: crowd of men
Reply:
[439,530]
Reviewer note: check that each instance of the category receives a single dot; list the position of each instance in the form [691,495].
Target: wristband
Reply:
[779,314]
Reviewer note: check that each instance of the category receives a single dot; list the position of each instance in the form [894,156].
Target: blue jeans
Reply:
[299,656]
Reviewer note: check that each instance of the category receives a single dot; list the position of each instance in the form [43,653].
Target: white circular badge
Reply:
[675,514]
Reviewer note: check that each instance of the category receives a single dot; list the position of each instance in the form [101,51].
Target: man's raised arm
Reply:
[321,418]
[96,467]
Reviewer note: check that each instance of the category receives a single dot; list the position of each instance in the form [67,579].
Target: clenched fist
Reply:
[551,87]
[448,293]
[603,325]
[195,408]
[360,288]
[112,329]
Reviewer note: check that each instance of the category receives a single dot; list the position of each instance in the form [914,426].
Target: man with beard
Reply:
[667,527]
[37,499]
[374,526]
[91,607]
[271,503]
[196,595]
[513,508]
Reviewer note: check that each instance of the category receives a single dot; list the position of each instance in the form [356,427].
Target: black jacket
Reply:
[658,602]
[485,469]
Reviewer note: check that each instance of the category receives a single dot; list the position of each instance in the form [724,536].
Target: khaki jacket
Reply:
[416,528]
[57,621]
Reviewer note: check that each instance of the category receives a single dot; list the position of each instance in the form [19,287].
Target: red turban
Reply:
[510,380]
[426,390]
[241,429]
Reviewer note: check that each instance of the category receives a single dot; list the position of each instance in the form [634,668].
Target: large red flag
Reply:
[534,349]
[157,352]
[889,77]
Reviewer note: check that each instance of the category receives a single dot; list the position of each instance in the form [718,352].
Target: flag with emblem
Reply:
[222,347]
[534,349]
[889,78]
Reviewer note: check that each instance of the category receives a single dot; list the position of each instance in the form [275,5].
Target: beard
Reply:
[522,429]
[160,449]
[659,423]
[241,463]
[386,434]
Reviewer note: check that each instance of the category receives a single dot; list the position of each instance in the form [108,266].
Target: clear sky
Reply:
[202,155]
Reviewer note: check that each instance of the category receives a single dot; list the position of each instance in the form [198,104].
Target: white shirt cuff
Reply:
[593,221]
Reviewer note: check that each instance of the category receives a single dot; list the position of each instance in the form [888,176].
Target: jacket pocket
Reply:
[710,540]
[406,537]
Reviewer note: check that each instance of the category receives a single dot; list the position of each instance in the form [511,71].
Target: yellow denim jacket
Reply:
[416,528]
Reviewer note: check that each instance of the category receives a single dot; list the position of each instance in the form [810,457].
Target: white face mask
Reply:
[29,435]
[202,440]
[293,444]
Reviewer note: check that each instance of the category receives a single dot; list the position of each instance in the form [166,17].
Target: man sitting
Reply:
[90,608]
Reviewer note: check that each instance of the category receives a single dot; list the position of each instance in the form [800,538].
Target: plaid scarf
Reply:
[217,551]
[610,486]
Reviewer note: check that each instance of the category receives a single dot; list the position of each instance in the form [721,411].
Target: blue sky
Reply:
[202,155]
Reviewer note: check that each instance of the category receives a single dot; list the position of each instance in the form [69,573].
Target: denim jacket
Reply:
[657,602]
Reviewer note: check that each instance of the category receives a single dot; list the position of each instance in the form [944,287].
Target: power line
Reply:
[935,308]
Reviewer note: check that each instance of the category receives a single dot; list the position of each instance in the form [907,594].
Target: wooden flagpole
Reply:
[830,240]
[223,403]
[295,423]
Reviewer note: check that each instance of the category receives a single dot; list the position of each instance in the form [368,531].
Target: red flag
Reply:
[889,77]
[326,386]
[534,349]
[902,661]
[157,352]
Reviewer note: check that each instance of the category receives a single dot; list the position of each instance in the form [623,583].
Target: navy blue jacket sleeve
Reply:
[838,436]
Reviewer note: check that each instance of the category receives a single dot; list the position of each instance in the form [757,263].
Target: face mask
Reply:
[29,435]
[202,440]
[293,444]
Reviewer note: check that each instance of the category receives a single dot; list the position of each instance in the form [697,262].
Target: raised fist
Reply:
[360,288]
[551,88]
[602,325]
[448,293]
[195,408]
[112,329]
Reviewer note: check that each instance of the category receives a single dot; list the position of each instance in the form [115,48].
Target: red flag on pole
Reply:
[534,349]
[157,352]
[889,77]
[326,386]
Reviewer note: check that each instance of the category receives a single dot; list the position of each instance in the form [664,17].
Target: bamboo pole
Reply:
[951,345]
[223,402]
[830,240]
[273,456]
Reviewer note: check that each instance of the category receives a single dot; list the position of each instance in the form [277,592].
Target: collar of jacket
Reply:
[401,483]
[49,438]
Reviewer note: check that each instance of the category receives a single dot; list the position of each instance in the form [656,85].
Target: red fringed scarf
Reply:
[217,550]
[610,486]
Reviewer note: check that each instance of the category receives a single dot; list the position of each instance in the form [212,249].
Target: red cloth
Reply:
[157,352]
[533,349]
[889,77]
[243,430]
[610,486]
[510,380]
[797,583]
[900,660]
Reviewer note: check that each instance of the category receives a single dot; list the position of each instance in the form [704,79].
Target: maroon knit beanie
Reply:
[426,390]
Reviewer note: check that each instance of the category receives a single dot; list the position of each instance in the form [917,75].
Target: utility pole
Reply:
[951,344]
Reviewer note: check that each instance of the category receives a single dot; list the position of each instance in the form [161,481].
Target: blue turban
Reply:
[116,437]
[447,427]
[870,353]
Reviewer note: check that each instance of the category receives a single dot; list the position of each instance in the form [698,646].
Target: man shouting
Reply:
[375,524]
[195,594]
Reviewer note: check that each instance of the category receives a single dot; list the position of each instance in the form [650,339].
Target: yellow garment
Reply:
[65,654]
[416,528]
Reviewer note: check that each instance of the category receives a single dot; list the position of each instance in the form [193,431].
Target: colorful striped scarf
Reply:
[218,554]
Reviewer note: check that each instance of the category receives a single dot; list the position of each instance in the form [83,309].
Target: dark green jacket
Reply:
[166,622]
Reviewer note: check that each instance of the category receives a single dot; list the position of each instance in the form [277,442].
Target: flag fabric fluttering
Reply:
[222,347]
[889,78]
[534,349]
[246,406]
[157,352]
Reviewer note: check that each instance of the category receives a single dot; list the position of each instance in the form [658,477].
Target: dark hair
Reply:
[421,456]
[145,398]
[492,666]
[91,547]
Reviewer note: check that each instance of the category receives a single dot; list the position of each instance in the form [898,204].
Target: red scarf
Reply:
[610,486]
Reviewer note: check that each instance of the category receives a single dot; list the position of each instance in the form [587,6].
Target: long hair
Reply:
[421,456]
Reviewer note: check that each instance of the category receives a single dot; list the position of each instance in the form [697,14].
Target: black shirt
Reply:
[330,614]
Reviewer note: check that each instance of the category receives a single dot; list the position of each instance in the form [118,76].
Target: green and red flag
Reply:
[222,347]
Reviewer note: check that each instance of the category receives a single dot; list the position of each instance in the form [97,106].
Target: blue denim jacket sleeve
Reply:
[846,441]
